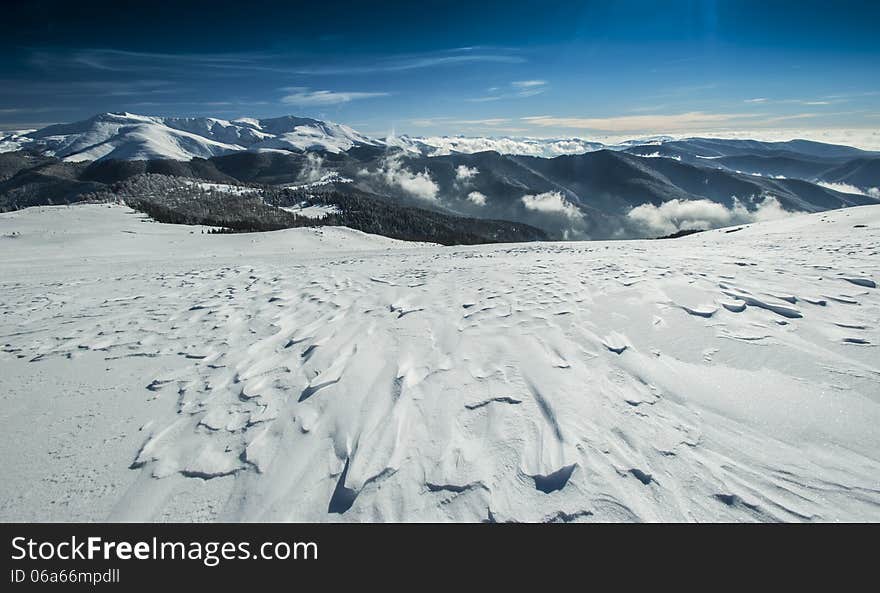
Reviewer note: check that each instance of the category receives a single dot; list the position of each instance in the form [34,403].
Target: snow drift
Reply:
[151,373]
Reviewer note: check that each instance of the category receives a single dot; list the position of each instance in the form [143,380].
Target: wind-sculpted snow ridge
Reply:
[150,373]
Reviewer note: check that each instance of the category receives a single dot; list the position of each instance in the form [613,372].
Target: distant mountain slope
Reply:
[600,194]
[801,159]
[718,147]
[445,145]
[591,195]
[862,173]
[127,136]
[13,162]
[771,166]
[175,200]
[651,187]
[124,136]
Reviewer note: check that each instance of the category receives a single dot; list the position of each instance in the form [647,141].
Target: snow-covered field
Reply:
[236,190]
[317,211]
[151,372]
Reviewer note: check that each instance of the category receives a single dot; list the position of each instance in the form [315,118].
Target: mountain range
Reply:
[128,136]
[568,188]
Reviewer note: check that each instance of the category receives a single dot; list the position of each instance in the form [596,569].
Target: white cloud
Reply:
[411,63]
[846,188]
[313,169]
[525,84]
[492,121]
[443,145]
[429,122]
[270,62]
[551,202]
[302,96]
[425,122]
[465,173]
[515,90]
[477,198]
[393,172]
[676,215]
[756,100]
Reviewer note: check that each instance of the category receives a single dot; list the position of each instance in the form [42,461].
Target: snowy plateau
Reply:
[152,372]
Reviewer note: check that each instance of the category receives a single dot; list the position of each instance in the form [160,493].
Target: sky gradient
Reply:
[545,69]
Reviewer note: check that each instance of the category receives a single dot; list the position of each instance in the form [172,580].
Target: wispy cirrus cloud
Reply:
[781,118]
[517,89]
[638,123]
[428,122]
[490,122]
[303,97]
[818,101]
[527,84]
[664,123]
[413,62]
[852,95]
[492,126]
[25,110]
[106,88]
[114,60]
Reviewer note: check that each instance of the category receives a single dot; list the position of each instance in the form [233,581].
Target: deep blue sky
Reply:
[494,68]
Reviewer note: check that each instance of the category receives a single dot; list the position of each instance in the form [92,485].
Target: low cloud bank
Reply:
[846,188]
[444,145]
[678,215]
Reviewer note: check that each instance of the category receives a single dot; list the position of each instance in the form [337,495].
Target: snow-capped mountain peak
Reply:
[445,145]
[129,136]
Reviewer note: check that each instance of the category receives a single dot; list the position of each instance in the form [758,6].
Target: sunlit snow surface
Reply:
[152,372]
[318,211]
[222,187]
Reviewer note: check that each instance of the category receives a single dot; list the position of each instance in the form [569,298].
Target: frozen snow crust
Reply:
[151,372]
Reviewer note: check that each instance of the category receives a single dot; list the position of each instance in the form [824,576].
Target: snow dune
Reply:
[150,372]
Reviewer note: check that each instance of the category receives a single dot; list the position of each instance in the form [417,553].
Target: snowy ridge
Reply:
[225,188]
[13,140]
[317,211]
[124,136]
[444,145]
[325,375]
[127,136]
